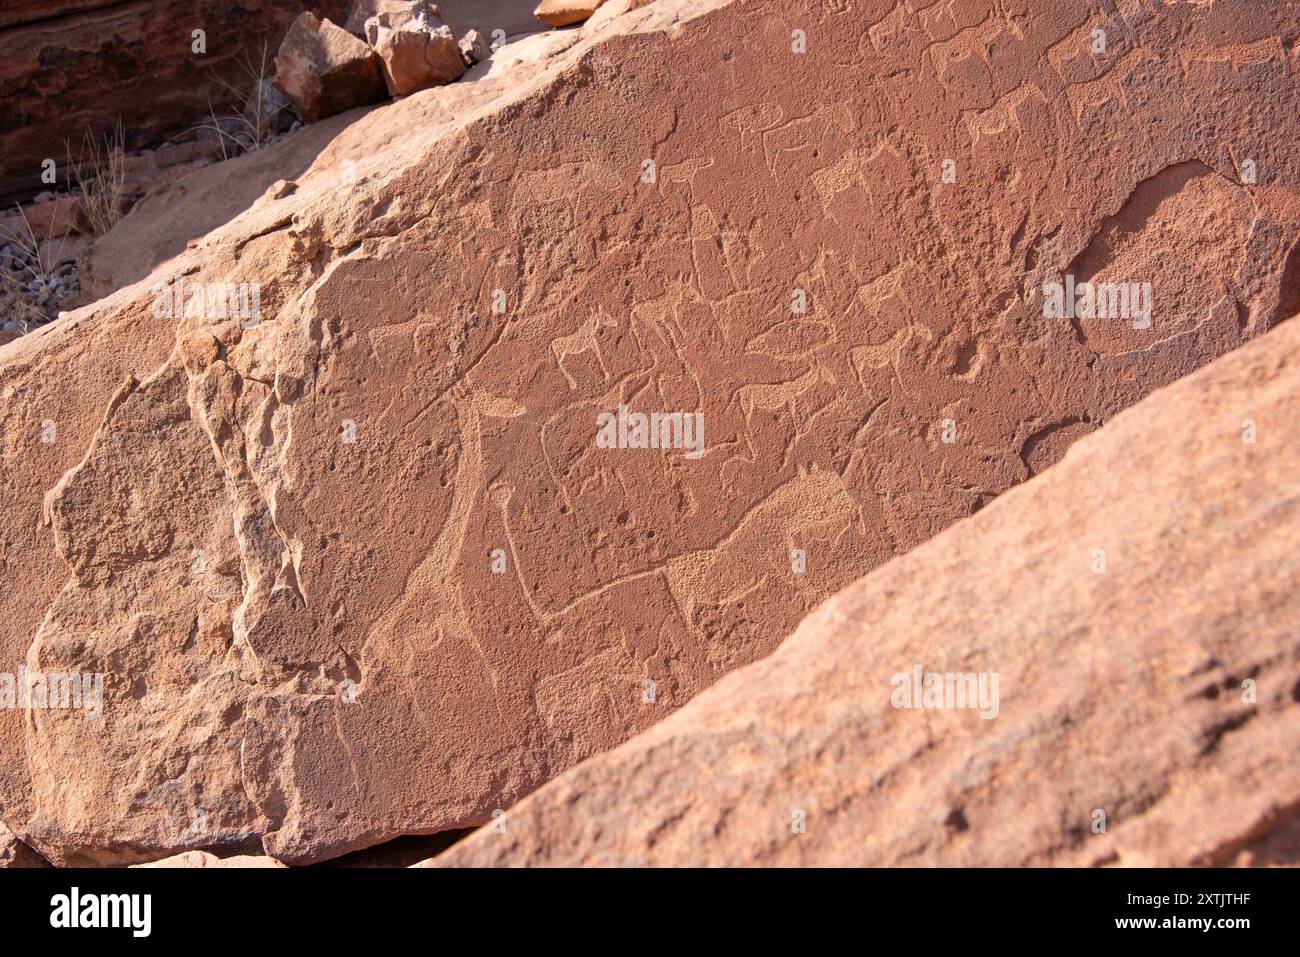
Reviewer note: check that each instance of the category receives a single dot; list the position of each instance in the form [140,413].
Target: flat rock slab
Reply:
[189,860]
[1135,613]
[362,565]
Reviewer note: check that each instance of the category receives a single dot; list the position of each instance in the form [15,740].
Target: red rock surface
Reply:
[69,67]
[1147,709]
[344,665]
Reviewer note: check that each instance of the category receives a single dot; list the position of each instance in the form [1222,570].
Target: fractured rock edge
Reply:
[1120,691]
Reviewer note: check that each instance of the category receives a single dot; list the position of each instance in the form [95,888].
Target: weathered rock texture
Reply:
[71,67]
[323,69]
[1161,689]
[278,542]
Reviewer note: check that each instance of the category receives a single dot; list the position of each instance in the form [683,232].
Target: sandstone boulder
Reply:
[73,67]
[474,48]
[1131,623]
[414,53]
[365,568]
[563,13]
[324,70]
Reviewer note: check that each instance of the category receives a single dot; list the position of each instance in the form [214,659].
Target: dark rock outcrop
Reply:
[68,68]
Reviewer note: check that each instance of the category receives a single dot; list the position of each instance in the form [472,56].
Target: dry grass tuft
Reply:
[251,125]
[28,273]
[100,176]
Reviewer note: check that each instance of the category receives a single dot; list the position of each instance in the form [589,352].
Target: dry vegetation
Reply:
[99,174]
[251,124]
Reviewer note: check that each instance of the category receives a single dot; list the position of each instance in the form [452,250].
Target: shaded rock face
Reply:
[14,853]
[323,69]
[366,567]
[69,67]
[1145,711]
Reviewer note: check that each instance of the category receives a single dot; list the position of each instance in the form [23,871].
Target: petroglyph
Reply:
[426,588]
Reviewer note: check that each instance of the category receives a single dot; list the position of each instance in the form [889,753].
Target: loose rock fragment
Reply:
[563,13]
[415,53]
[324,70]
[474,48]
[424,588]
[53,219]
